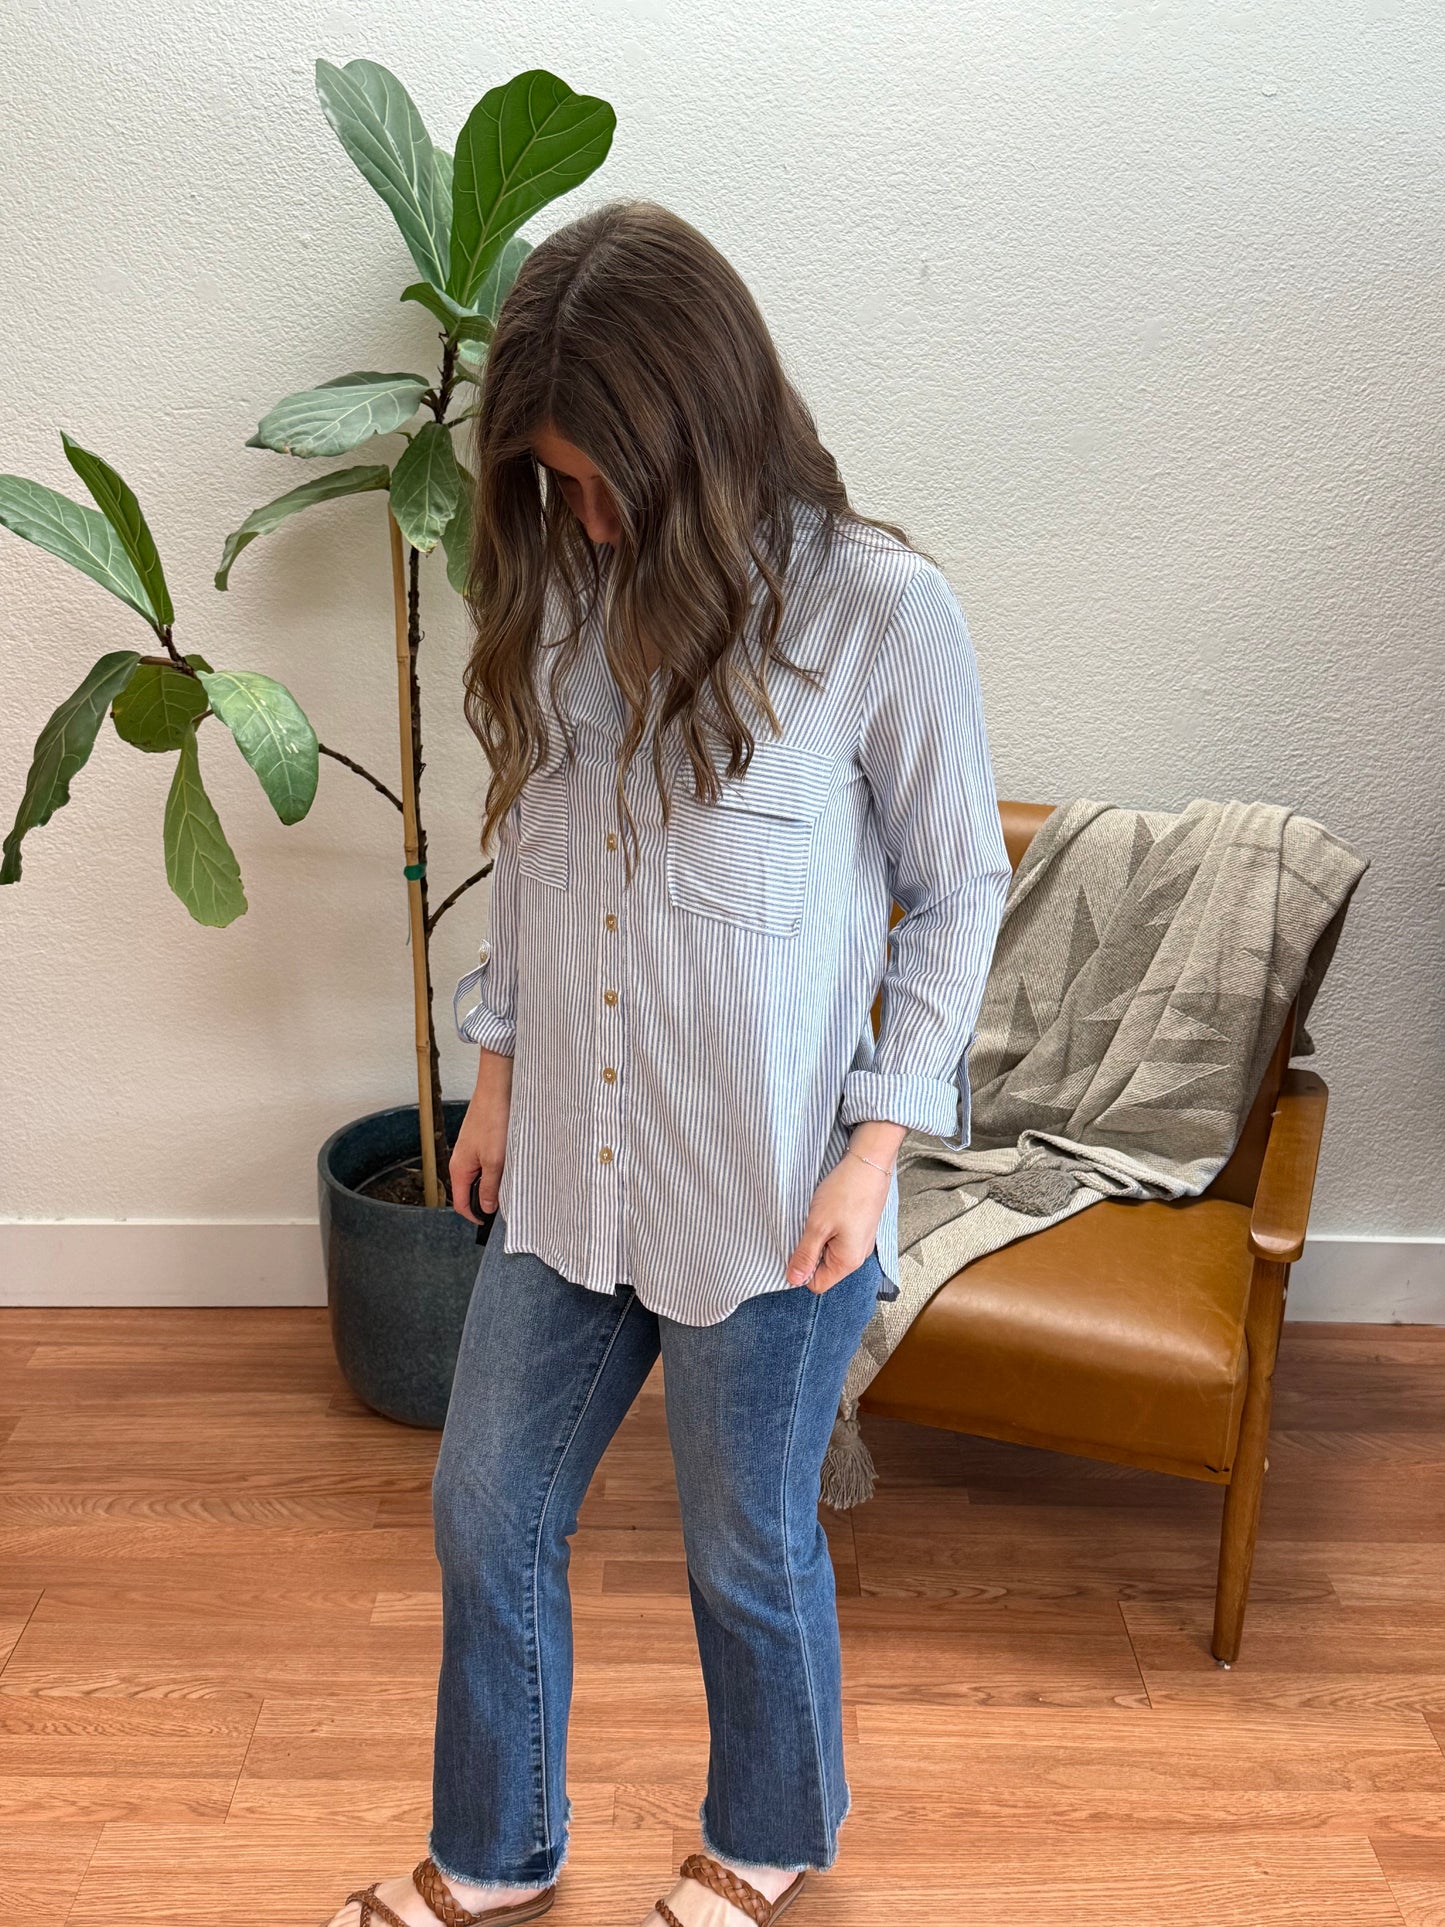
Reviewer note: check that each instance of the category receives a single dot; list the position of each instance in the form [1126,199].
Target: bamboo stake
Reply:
[431,1188]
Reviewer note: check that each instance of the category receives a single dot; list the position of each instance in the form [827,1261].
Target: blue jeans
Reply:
[546,1373]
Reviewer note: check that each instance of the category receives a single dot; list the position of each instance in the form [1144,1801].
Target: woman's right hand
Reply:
[481,1145]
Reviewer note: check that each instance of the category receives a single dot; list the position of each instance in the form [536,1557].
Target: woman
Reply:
[730,722]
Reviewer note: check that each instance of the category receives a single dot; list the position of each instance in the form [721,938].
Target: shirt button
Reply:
[609,996]
[611,840]
[605,1154]
[611,921]
[609,1075]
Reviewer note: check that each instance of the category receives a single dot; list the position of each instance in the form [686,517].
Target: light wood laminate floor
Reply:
[219,1628]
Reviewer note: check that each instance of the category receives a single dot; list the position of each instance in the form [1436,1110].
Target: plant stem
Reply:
[375,782]
[448,380]
[461,890]
[441,1148]
[407,638]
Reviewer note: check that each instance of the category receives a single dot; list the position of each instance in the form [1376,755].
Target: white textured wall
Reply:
[1134,315]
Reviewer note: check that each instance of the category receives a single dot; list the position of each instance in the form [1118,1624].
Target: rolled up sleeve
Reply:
[491,1020]
[923,750]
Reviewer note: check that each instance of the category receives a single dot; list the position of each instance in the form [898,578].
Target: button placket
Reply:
[609,1033]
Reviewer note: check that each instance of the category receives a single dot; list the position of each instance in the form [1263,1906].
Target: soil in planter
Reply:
[400,1183]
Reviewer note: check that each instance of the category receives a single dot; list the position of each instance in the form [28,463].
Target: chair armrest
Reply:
[1281,1211]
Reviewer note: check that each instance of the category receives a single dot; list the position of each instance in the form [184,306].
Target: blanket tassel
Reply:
[848,1469]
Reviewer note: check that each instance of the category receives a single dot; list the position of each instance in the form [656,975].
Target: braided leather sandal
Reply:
[732,1888]
[444,1904]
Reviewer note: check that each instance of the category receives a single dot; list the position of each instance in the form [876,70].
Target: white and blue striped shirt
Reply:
[691,1051]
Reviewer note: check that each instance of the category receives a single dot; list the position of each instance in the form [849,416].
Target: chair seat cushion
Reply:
[1117,1333]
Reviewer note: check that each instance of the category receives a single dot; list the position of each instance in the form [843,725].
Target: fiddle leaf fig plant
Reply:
[523,145]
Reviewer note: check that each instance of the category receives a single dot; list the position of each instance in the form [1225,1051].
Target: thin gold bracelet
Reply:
[886,1169]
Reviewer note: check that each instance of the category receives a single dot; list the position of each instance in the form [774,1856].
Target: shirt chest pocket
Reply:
[745,859]
[544,827]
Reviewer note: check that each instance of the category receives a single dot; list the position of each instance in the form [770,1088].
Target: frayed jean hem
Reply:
[786,1866]
[557,1859]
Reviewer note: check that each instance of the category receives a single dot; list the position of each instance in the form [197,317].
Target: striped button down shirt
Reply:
[692,1050]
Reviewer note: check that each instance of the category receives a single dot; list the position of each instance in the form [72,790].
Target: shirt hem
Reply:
[517,1242]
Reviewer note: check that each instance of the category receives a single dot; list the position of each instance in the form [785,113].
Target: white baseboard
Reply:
[1370,1281]
[1384,1281]
[128,1262]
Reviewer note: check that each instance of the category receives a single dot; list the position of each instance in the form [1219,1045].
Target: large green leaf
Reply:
[62,748]
[523,145]
[473,333]
[78,535]
[448,312]
[497,282]
[457,535]
[340,413]
[201,866]
[120,508]
[261,521]
[475,328]
[425,485]
[377,123]
[479,321]
[272,733]
[159,704]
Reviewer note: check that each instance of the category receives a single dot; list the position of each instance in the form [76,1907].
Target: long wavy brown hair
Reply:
[628,334]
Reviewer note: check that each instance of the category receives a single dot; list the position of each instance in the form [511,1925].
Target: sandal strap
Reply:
[427,1879]
[667,1916]
[374,1909]
[428,1882]
[740,1893]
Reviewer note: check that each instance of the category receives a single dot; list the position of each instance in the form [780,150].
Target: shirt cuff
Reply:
[924,1104]
[482,1025]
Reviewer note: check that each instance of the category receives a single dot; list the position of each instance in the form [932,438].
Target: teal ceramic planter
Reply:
[398,1278]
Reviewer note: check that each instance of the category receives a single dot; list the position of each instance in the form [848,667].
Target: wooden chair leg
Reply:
[1241,1523]
[1246,1487]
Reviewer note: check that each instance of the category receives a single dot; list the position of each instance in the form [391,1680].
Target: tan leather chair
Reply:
[1141,1333]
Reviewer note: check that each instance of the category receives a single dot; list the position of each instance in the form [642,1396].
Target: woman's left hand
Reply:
[842,1224]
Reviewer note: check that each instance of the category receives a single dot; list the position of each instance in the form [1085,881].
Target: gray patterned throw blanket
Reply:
[1144,965]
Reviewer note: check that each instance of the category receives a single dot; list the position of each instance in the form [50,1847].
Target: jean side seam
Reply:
[788,1568]
[537,1558]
